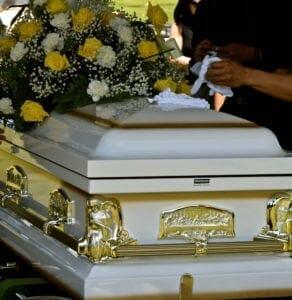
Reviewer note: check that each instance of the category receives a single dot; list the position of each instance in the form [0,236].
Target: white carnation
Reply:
[53,42]
[6,106]
[61,21]
[39,3]
[106,57]
[97,89]
[125,34]
[18,51]
[118,22]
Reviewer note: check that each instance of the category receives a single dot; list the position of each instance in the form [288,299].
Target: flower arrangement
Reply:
[60,56]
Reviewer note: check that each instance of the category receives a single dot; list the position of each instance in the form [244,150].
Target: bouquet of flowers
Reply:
[60,56]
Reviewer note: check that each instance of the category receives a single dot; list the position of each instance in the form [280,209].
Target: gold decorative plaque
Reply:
[196,222]
[104,230]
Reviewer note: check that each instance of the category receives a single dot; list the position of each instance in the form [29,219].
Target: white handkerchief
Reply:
[201,69]
[168,100]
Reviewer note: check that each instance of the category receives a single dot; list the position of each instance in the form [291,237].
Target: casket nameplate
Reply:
[279,219]
[196,222]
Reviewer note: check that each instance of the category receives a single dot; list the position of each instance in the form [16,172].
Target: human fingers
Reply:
[202,49]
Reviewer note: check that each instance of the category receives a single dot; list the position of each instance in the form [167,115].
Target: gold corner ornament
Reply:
[279,220]
[16,180]
[104,229]
[196,223]
[16,184]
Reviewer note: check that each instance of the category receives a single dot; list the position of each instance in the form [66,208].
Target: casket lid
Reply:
[111,141]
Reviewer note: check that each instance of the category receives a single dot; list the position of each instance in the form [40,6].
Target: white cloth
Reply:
[168,100]
[201,69]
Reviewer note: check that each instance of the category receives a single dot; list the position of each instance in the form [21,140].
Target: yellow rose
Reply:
[29,29]
[57,6]
[56,61]
[90,48]
[6,43]
[184,88]
[163,84]
[157,16]
[32,111]
[82,18]
[147,49]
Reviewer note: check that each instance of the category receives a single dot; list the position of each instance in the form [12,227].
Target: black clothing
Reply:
[187,36]
[259,24]
[253,23]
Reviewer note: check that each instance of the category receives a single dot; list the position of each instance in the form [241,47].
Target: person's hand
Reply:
[202,49]
[238,52]
[227,73]
[2,137]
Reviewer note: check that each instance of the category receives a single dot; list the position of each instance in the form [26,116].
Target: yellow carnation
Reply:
[6,43]
[56,61]
[90,48]
[29,29]
[32,111]
[82,18]
[57,6]
[157,16]
[184,88]
[147,49]
[163,84]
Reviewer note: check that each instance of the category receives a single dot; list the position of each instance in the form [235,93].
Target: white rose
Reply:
[39,3]
[6,106]
[106,57]
[117,22]
[18,51]
[61,21]
[53,42]
[125,34]
[97,89]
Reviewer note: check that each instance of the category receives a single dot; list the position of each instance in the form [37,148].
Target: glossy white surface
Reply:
[215,277]
[229,146]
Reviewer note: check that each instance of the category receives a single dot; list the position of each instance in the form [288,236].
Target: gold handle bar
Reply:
[190,248]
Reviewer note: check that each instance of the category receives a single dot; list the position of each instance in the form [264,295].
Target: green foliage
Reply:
[74,97]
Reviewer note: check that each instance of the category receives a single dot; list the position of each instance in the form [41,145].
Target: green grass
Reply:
[140,7]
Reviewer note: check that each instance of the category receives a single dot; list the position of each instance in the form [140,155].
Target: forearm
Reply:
[276,85]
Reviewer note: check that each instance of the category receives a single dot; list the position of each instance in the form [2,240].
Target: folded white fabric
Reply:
[201,69]
[168,100]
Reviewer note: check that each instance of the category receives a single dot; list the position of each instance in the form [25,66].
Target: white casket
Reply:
[140,201]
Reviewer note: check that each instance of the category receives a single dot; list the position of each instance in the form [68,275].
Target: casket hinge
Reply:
[104,230]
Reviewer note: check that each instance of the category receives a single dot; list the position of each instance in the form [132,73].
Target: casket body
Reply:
[111,207]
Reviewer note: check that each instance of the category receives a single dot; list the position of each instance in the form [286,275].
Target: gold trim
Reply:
[196,223]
